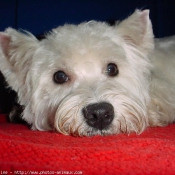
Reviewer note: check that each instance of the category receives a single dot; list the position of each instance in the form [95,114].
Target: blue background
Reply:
[39,16]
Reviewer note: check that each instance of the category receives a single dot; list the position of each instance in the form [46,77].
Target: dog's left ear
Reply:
[137,30]
[16,53]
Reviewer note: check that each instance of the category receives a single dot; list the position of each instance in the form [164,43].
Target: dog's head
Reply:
[82,79]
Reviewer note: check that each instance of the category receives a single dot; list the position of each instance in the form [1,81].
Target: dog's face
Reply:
[82,80]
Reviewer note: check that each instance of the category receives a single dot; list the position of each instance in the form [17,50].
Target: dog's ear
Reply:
[137,30]
[16,52]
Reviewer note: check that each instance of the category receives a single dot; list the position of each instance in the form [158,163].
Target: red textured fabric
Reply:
[23,151]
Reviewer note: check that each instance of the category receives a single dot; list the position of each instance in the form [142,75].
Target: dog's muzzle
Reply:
[99,115]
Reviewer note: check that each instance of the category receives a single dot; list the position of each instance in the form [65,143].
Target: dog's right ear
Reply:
[137,31]
[16,52]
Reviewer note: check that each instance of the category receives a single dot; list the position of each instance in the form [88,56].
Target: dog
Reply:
[92,78]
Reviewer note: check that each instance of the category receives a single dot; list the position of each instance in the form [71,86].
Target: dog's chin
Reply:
[86,131]
[104,132]
[94,132]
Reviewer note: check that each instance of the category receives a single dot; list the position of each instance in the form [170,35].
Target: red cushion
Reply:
[26,151]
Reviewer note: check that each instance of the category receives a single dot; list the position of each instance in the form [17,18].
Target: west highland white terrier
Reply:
[92,78]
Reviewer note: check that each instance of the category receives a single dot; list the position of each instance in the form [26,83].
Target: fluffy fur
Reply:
[142,94]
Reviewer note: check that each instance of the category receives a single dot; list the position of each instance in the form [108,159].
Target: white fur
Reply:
[142,94]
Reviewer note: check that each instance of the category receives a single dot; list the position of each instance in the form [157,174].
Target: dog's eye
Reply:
[60,77]
[112,69]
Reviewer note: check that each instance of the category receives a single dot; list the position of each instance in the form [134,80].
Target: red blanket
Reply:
[23,151]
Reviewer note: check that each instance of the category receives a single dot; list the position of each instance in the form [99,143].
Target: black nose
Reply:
[99,115]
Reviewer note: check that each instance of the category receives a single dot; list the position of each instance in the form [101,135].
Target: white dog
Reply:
[91,78]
